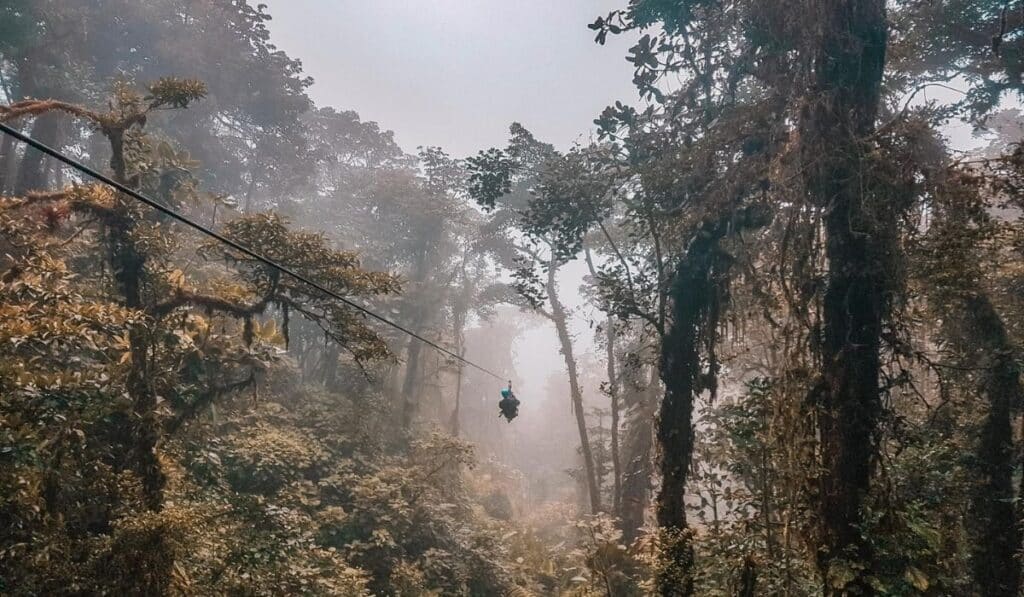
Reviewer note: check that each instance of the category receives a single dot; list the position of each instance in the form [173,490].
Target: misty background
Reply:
[455,74]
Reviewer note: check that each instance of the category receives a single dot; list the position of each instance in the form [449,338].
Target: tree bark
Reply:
[409,390]
[613,393]
[32,171]
[410,399]
[460,311]
[129,266]
[691,294]
[636,481]
[993,521]
[7,159]
[843,104]
[697,307]
[331,354]
[560,319]
[456,414]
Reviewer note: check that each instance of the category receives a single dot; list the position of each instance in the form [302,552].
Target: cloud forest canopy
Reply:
[785,301]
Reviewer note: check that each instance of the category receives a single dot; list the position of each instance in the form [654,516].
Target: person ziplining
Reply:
[509,405]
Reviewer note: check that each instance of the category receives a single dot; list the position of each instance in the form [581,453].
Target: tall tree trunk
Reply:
[331,354]
[410,398]
[560,318]
[691,293]
[639,444]
[410,395]
[843,104]
[460,311]
[459,336]
[993,520]
[129,265]
[697,307]
[32,172]
[7,159]
[456,414]
[613,393]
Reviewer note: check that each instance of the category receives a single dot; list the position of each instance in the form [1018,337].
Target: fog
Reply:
[511,297]
[455,74]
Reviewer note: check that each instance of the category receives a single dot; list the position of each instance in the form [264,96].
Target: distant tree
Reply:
[502,180]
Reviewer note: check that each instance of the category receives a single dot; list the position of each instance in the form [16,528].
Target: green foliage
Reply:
[750,503]
[175,93]
[609,566]
[312,499]
[264,460]
[490,176]
[97,383]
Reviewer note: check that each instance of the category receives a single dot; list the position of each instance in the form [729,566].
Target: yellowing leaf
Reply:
[122,342]
[841,573]
[916,578]
[176,278]
[267,332]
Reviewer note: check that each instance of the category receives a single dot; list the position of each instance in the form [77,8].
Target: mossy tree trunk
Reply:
[689,367]
[993,518]
[639,445]
[837,122]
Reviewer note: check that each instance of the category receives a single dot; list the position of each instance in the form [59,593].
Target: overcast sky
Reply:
[456,73]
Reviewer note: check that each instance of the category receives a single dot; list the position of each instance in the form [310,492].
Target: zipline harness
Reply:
[509,405]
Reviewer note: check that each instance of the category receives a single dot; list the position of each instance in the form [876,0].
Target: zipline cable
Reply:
[53,153]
